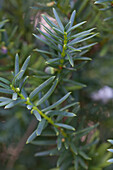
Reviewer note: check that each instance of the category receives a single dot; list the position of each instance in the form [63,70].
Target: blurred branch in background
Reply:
[15,152]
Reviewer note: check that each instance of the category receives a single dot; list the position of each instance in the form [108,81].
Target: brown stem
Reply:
[16,151]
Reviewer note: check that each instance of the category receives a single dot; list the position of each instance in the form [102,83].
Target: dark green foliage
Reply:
[108,5]
[49,83]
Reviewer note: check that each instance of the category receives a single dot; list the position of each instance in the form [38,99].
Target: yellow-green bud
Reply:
[17,89]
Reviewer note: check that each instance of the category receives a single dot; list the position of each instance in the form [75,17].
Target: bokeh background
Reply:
[96,100]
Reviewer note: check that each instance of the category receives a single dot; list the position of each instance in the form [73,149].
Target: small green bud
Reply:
[65,33]
[11,86]
[28,99]
[62,61]
[49,70]
[17,90]
[32,111]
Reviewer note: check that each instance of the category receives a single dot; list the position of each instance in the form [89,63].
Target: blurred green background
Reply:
[96,100]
